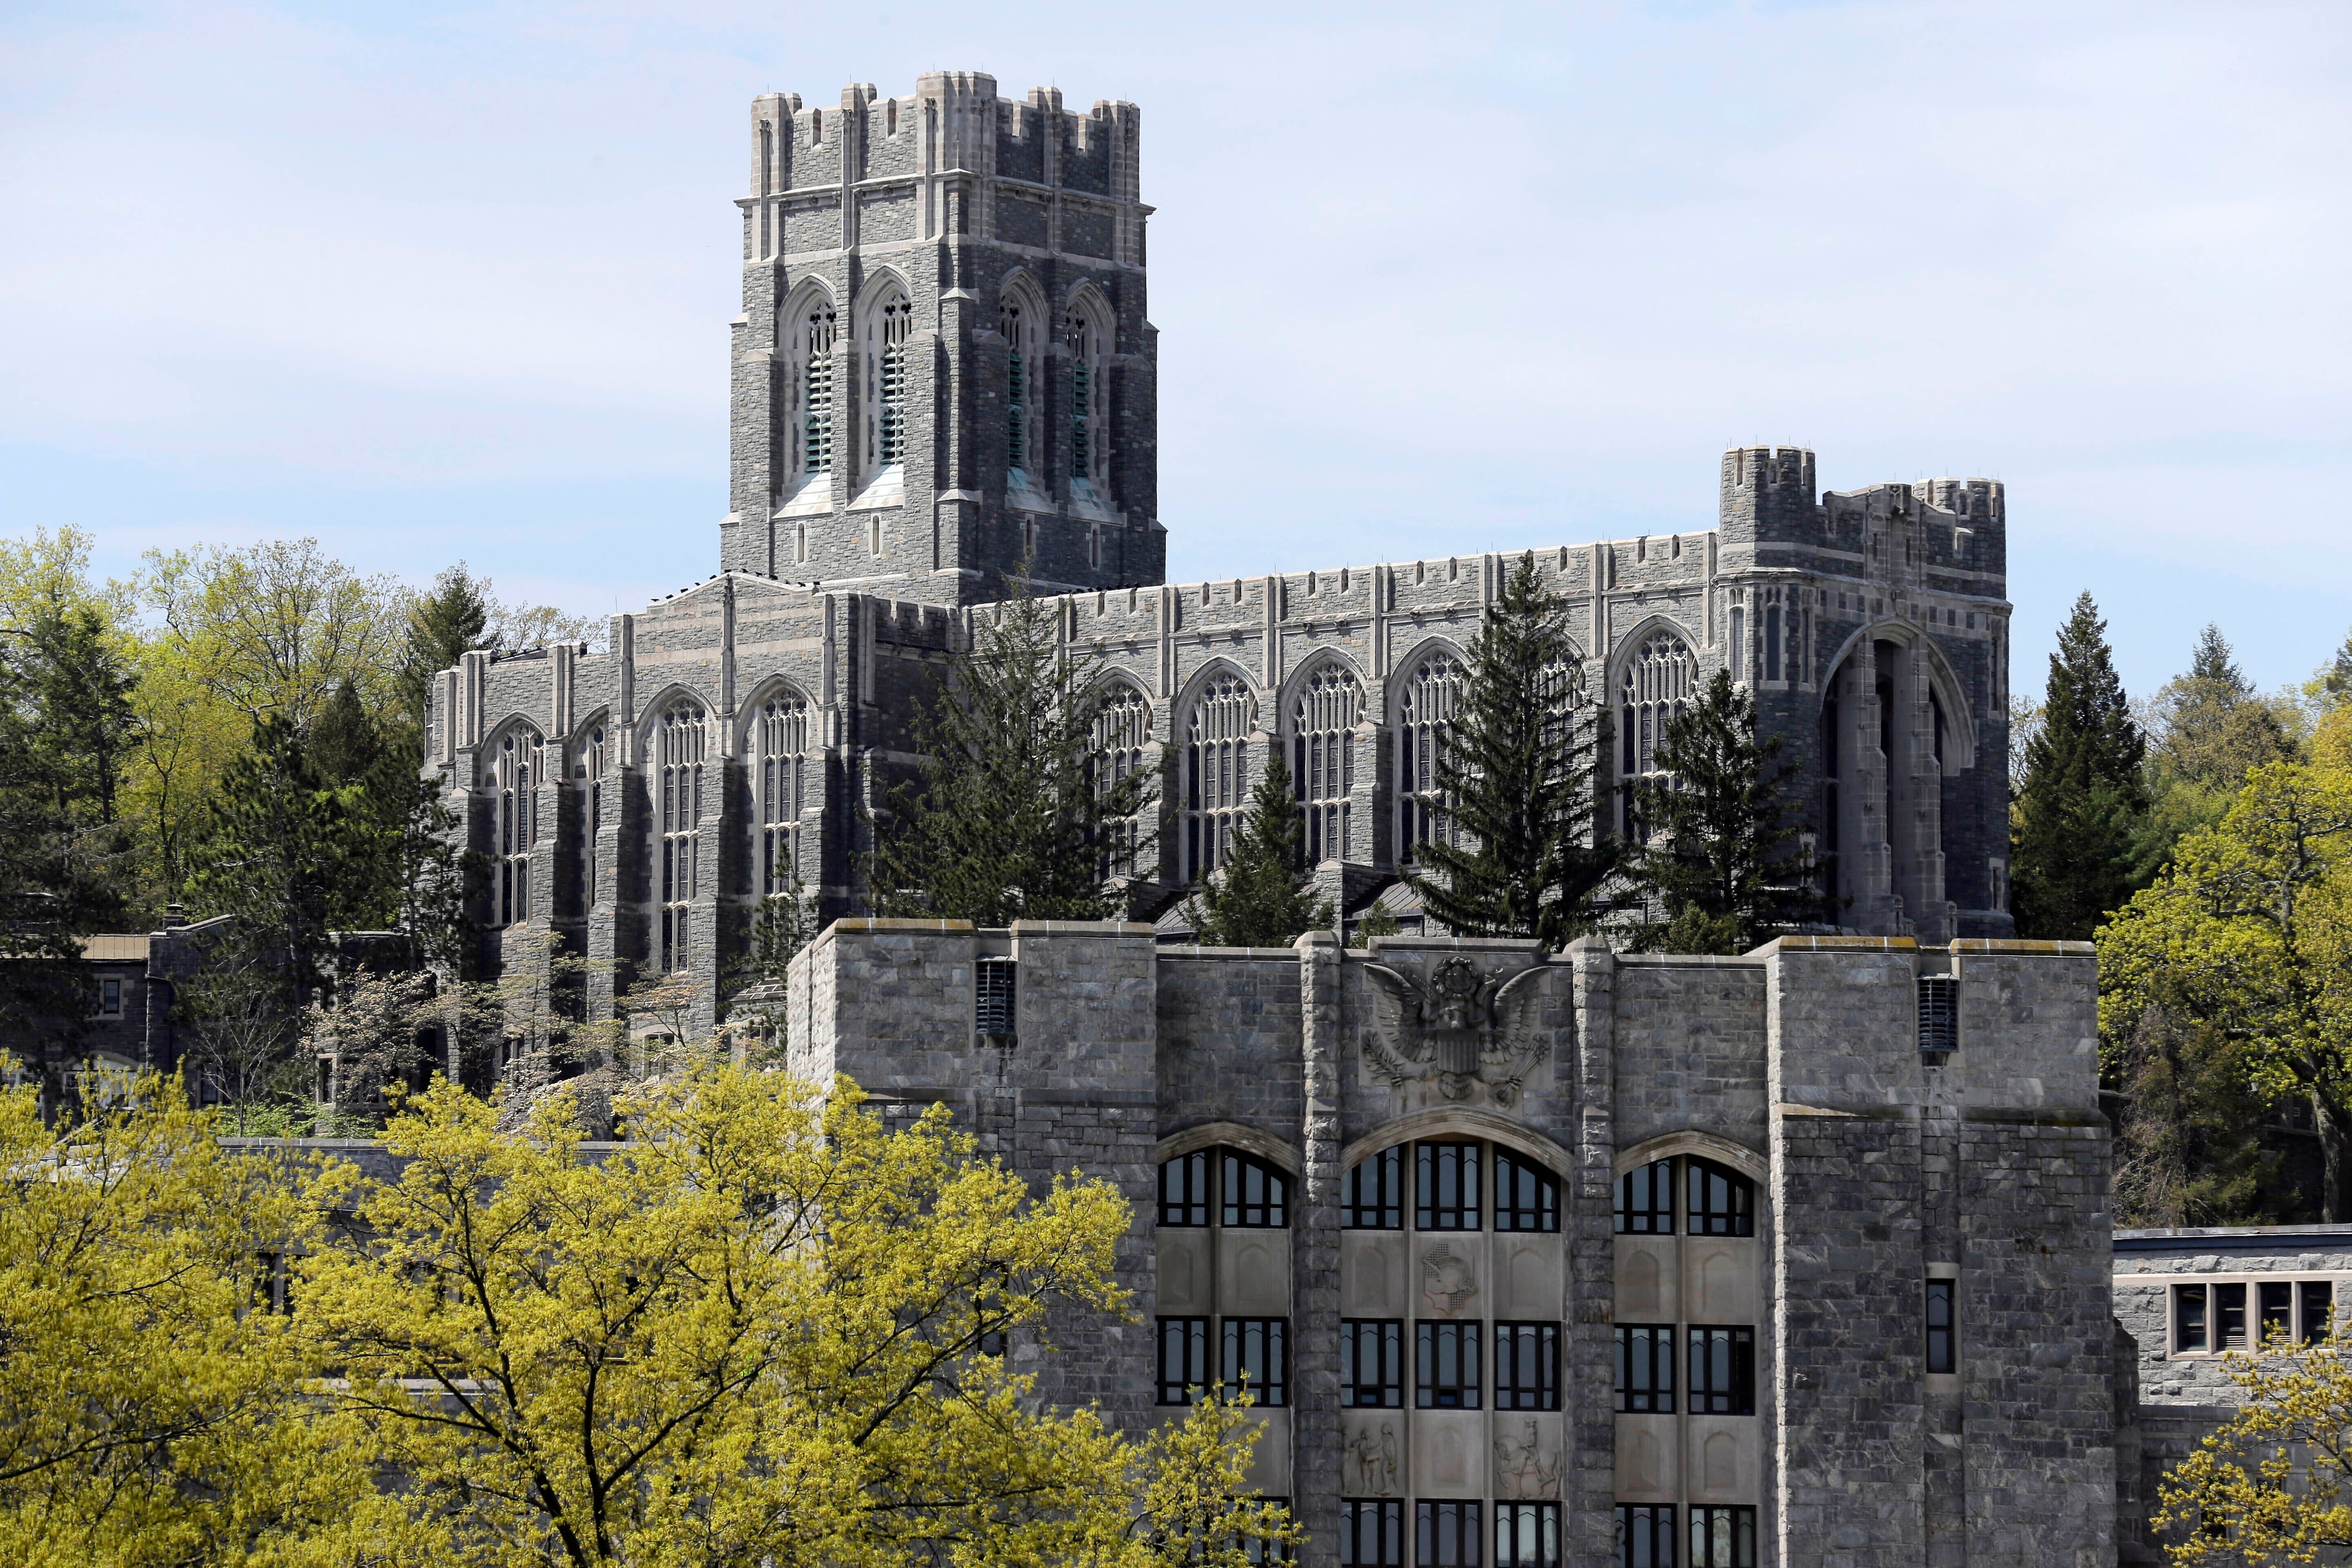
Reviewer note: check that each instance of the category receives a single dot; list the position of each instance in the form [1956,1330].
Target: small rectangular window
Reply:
[1939,1013]
[992,991]
[2318,1309]
[1446,1187]
[1445,1535]
[1645,1535]
[1184,1359]
[1645,1200]
[2229,1317]
[1645,1369]
[1526,1366]
[110,998]
[1943,1351]
[1184,1192]
[1371,1533]
[1371,1364]
[1257,1197]
[2278,1311]
[1723,1538]
[1722,1371]
[1257,1359]
[1445,1366]
[2189,1317]
[1527,1196]
[1526,1535]
[1373,1196]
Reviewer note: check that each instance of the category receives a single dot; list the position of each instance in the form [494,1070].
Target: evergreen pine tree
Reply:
[1516,778]
[1720,859]
[2076,821]
[2215,729]
[344,741]
[281,848]
[1007,818]
[1257,899]
[452,619]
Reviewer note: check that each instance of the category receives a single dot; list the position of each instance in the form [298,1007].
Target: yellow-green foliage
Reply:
[751,1333]
[150,1412]
[2270,1486]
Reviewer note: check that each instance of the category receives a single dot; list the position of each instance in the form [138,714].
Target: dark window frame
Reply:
[1943,1338]
[1386,1518]
[1176,1387]
[1705,1182]
[1514,1522]
[1637,1217]
[2280,1316]
[1543,1365]
[1272,1207]
[1383,1172]
[1270,1388]
[1438,1345]
[2191,1326]
[1447,1193]
[1722,1534]
[1517,1176]
[1645,1369]
[1447,1532]
[2321,1293]
[1384,1337]
[1722,1372]
[2230,1315]
[1659,1517]
[1193,1194]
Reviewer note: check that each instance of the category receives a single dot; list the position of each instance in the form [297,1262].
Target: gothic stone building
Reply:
[1796,1258]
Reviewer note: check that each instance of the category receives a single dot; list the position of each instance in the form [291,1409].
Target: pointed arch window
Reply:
[590,769]
[886,381]
[808,417]
[1422,714]
[1659,682]
[516,774]
[677,743]
[1216,771]
[1323,720]
[1089,402]
[1018,321]
[783,782]
[1122,730]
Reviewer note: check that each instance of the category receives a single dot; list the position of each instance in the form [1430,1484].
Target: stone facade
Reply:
[1795,1075]
[899,255]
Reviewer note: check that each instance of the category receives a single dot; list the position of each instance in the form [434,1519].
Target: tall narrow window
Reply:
[1184,1191]
[1184,1359]
[1422,714]
[782,781]
[1645,1369]
[1526,1535]
[1943,1344]
[2229,1317]
[1771,642]
[886,382]
[1658,683]
[591,771]
[1645,1535]
[1939,1013]
[1371,1364]
[1722,1538]
[1830,762]
[1216,771]
[1722,1371]
[2277,1308]
[1089,402]
[1445,1366]
[1122,728]
[1446,1187]
[995,994]
[1018,322]
[678,739]
[1372,1197]
[1445,1535]
[1526,1366]
[516,827]
[2318,1305]
[1257,1361]
[1719,1202]
[1371,1533]
[1323,757]
[2189,1318]
[1527,1196]
[812,351]
[1645,1200]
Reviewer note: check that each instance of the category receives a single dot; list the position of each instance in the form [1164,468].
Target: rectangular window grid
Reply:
[1445,1366]
[1445,1535]
[1943,1350]
[1527,1196]
[1645,1369]
[1256,1194]
[1722,1538]
[1526,1535]
[1184,1359]
[1372,1197]
[1184,1191]
[2229,1317]
[1371,1533]
[2189,1317]
[1371,1364]
[1446,1187]
[1645,1535]
[1645,1200]
[1258,1358]
[1526,1366]
[1722,1371]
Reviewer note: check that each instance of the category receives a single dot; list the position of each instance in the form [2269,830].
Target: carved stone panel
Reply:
[1528,1463]
[1372,1454]
[1449,1456]
[1449,1278]
[1373,1273]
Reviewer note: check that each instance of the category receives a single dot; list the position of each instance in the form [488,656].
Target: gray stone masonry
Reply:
[1874,1167]
[899,253]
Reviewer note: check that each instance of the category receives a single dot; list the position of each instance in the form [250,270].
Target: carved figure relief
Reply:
[1371,1459]
[1522,1467]
[1457,1032]
[1449,1282]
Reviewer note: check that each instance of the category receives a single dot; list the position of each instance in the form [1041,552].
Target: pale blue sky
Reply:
[443,280]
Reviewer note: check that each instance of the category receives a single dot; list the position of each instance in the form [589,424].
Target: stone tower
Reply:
[943,375]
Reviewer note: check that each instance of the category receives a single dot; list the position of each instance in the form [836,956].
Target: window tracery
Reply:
[885,380]
[1422,715]
[1330,706]
[1089,402]
[678,742]
[516,776]
[810,415]
[590,769]
[782,781]
[1018,322]
[1659,682]
[1216,771]
[1122,730]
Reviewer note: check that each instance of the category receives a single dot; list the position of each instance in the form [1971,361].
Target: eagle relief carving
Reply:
[1457,1032]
